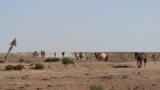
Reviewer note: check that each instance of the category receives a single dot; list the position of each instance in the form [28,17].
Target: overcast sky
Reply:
[80,25]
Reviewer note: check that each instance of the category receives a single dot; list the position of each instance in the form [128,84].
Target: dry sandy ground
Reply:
[121,73]
[55,76]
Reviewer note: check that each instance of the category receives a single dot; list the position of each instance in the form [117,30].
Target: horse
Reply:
[35,54]
[154,57]
[140,57]
[55,54]
[79,56]
[63,53]
[43,54]
[101,57]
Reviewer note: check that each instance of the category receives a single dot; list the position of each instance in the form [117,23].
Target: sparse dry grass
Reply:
[56,76]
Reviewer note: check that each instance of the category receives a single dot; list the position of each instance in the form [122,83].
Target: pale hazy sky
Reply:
[80,25]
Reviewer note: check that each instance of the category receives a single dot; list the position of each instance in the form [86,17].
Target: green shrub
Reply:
[52,59]
[96,87]
[55,59]
[39,66]
[48,60]
[18,67]
[67,61]
[9,67]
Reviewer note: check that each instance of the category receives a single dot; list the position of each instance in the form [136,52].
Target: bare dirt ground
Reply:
[56,76]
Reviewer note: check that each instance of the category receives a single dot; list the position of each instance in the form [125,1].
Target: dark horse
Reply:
[140,57]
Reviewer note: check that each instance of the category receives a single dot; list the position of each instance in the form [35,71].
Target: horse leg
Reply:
[76,58]
[79,58]
[155,61]
[98,59]
[140,63]
[106,59]
[145,61]
[144,64]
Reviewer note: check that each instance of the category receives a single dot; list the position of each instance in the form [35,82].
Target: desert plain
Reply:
[120,73]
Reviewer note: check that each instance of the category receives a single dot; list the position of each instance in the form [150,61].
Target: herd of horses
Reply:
[42,53]
[35,54]
[103,57]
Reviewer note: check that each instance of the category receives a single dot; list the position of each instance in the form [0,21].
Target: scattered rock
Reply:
[49,86]
[139,72]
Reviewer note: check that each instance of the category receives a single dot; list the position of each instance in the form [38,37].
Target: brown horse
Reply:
[154,57]
[63,53]
[140,57]
[35,54]
[55,54]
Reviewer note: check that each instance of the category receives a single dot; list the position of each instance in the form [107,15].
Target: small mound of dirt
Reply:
[122,66]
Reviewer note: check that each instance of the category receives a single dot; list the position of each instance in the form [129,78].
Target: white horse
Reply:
[101,57]
[79,56]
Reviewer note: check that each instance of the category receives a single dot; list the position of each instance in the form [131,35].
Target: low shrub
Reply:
[9,67]
[52,60]
[39,66]
[48,60]
[55,59]
[67,61]
[96,87]
[18,67]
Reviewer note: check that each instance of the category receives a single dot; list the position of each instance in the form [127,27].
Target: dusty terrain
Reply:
[120,73]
